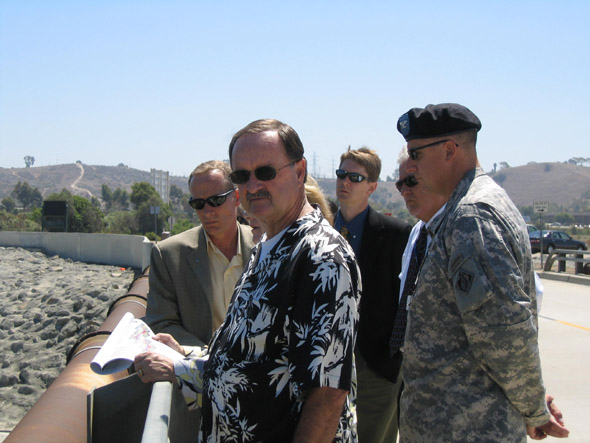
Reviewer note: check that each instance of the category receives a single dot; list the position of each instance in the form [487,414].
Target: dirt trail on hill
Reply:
[74,185]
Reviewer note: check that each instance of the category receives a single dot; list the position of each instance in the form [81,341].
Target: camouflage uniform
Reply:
[471,362]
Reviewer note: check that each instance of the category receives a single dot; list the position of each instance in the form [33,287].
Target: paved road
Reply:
[564,340]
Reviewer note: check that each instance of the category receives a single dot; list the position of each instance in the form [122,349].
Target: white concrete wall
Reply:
[111,249]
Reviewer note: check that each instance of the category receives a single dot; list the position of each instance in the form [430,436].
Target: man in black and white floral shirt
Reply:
[280,368]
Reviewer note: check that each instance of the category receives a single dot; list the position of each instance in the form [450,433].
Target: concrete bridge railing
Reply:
[109,249]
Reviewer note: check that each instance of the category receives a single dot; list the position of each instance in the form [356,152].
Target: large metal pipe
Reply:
[60,414]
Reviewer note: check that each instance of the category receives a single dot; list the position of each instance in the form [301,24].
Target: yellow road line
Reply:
[565,323]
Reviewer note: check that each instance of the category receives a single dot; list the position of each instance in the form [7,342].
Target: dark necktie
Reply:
[344,232]
[399,326]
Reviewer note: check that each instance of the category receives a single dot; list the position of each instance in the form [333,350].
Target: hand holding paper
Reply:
[130,337]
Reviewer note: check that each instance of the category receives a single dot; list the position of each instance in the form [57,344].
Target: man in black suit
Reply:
[378,241]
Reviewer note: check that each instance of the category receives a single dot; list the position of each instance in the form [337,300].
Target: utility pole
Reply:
[155,210]
[541,208]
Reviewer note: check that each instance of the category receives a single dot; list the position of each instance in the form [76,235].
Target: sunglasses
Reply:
[263,173]
[410,181]
[213,201]
[414,154]
[352,176]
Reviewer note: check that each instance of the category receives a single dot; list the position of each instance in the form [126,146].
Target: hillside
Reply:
[558,183]
[78,178]
[87,180]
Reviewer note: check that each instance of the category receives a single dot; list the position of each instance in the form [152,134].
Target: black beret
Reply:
[437,121]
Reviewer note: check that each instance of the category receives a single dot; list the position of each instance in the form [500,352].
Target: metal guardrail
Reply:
[158,414]
[580,258]
[168,420]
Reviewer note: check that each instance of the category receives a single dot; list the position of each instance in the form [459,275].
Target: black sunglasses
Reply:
[263,173]
[413,154]
[410,181]
[352,176]
[213,201]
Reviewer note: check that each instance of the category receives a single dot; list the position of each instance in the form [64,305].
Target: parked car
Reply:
[554,240]
[531,228]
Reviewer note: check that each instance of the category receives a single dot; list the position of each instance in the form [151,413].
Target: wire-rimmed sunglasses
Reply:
[352,176]
[410,181]
[213,201]
[413,152]
[263,173]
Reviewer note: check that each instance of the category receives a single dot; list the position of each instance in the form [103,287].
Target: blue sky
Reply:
[165,84]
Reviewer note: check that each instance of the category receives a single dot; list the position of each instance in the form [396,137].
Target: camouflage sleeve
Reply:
[496,310]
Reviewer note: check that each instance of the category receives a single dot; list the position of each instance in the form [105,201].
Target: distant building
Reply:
[160,180]
[582,218]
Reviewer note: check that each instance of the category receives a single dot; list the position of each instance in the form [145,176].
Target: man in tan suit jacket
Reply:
[193,274]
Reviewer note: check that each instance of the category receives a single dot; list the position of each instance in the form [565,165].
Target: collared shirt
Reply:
[355,228]
[267,245]
[410,247]
[224,275]
[290,328]
[471,363]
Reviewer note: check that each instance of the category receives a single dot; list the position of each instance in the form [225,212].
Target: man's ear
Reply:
[301,166]
[450,149]
[372,187]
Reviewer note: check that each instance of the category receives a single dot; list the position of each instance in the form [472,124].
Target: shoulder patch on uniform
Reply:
[463,281]
[456,263]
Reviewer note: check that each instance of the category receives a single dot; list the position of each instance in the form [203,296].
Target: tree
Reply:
[29,161]
[144,196]
[578,161]
[564,218]
[83,215]
[121,198]
[28,196]
[107,196]
[36,216]
[181,225]
[142,192]
[121,222]
[18,222]
[9,205]
[499,178]
[117,199]
[176,196]
[504,165]
[87,218]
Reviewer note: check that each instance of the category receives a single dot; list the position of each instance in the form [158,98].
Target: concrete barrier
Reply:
[109,249]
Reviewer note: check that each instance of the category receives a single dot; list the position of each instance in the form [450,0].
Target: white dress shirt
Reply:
[410,247]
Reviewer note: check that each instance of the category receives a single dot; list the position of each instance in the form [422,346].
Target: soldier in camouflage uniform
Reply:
[471,361]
